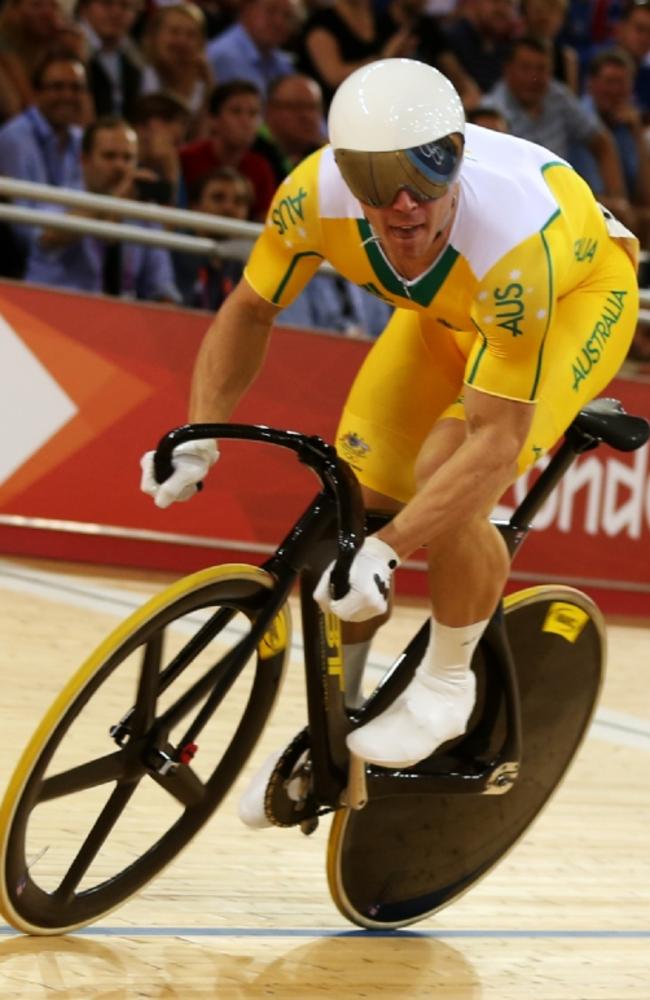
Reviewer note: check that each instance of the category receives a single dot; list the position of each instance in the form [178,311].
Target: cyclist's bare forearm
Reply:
[231,355]
[470,481]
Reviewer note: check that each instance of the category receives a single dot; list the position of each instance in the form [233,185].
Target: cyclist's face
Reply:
[409,229]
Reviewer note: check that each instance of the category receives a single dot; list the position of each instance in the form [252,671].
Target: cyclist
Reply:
[515,301]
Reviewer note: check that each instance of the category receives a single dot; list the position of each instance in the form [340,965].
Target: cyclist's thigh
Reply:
[412,374]
[585,347]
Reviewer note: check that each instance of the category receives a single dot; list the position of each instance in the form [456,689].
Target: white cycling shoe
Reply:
[251,804]
[251,809]
[429,712]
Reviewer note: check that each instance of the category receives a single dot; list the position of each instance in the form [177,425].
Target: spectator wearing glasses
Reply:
[109,161]
[293,123]
[43,143]
[28,30]
[114,66]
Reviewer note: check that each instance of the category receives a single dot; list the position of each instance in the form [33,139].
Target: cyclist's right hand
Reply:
[191,461]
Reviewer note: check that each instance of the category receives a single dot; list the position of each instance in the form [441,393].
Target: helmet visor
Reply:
[376,178]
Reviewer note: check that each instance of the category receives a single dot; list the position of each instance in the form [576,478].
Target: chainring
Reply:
[280,808]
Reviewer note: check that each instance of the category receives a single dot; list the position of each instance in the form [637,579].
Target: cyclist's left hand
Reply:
[370,578]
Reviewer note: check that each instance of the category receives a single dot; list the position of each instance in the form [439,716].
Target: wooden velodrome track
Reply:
[243,914]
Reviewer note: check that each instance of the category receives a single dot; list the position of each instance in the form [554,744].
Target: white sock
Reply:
[450,651]
[355,656]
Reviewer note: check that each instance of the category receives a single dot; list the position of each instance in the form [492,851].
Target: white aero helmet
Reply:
[397,123]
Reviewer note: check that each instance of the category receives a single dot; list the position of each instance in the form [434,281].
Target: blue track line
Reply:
[319,932]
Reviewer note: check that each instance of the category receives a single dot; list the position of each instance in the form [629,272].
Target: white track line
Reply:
[618,728]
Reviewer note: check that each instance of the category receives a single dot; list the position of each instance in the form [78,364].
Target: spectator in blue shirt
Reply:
[43,143]
[610,95]
[331,303]
[85,263]
[632,33]
[252,49]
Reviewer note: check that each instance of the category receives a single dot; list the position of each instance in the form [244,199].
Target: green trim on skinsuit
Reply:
[283,284]
[555,163]
[377,262]
[371,287]
[472,374]
[425,290]
[421,291]
[540,356]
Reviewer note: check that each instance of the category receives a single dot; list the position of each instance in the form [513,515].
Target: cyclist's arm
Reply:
[231,354]
[472,479]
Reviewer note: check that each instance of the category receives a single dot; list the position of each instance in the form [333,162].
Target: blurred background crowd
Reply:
[208,105]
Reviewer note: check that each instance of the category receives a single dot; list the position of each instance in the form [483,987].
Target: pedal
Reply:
[289,800]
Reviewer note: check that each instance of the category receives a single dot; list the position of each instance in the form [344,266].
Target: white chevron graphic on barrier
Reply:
[32,403]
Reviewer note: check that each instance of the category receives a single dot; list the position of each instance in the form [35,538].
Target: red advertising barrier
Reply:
[89,384]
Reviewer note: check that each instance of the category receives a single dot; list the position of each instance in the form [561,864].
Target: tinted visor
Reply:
[427,171]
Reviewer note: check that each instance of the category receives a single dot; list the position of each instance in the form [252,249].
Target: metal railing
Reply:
[240,236]
[244,233]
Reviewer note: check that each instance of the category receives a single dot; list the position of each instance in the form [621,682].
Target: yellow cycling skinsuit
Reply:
[534,298]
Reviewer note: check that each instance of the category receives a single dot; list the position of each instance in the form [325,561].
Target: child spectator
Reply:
[204,282]
[234,117]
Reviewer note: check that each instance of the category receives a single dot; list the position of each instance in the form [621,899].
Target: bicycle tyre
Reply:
[239,589]
[403,858]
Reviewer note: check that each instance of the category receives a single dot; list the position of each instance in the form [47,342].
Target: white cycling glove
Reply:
[370,576]
[192,461]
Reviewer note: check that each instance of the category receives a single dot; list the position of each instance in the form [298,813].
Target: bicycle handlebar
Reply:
[334,473]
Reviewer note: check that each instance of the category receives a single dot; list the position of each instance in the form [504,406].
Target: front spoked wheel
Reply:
[403,857]
[131,759]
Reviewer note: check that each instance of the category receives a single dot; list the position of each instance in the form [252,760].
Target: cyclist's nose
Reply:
[404,201]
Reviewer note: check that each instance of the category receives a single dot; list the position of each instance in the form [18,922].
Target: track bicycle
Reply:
[173,702]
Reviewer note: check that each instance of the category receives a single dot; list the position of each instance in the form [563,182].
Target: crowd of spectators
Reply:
[208,105]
